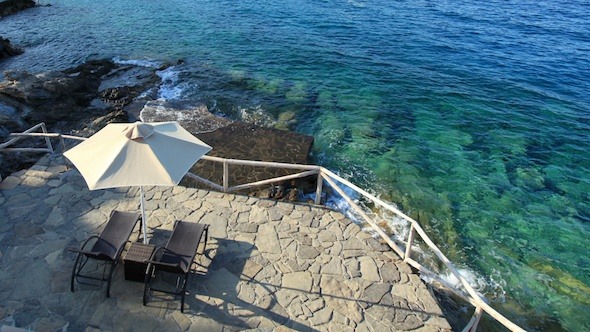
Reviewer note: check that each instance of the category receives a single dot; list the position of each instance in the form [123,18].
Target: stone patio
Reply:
[268,265]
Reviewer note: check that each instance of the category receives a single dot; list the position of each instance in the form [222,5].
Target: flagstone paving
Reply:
[268,265]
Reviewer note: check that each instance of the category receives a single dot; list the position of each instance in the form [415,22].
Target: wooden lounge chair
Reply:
[177,257]
[106,247]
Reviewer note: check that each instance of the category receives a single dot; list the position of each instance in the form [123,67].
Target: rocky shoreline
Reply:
[75,101]
[82,100]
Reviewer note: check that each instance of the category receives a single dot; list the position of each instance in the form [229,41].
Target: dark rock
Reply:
[71,98]
[7,50]
[240,140]
[9,7]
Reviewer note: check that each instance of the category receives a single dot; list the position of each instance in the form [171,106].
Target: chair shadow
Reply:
[213,289]
[226,271]
[159,237]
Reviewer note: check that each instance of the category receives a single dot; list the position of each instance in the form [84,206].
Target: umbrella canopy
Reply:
[137,154]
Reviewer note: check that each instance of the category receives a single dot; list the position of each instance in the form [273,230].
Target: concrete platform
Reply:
[269,266]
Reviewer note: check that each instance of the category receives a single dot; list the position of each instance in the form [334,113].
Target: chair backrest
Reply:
[116,233]
[182,246]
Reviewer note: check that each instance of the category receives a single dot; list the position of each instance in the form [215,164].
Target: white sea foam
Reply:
[171,88]
[357,4]
[476,281]
[137,62]
[493,286]
[256,115]
[157,110]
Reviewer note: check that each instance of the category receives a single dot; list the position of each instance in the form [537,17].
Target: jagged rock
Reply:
[8,7]
[7,50]
[68,99]
[79,100]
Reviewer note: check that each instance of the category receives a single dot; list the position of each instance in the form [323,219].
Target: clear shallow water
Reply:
[472,117]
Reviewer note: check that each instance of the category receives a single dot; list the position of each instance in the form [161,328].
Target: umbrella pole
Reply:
[143,219]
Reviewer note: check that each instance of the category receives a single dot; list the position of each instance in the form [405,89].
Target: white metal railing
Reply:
[323,174]
[29,132]
[331,178]
[4,147]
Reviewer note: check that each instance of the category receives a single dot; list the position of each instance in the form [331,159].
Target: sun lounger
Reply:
[177,257]
[106,247]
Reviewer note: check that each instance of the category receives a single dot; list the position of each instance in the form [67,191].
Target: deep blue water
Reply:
[473,117]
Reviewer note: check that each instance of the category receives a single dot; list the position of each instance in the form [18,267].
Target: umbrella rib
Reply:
[109,159]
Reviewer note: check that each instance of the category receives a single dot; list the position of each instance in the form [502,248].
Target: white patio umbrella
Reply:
[137,154]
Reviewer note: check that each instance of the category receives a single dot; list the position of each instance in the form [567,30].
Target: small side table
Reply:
[134,260]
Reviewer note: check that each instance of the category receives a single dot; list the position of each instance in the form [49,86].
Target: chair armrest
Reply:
[160,263]
[88,241]
[94,253]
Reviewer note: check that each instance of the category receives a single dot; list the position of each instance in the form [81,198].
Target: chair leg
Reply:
[74,274]
[113,265]
[184,292]
[146,284]
[206,237]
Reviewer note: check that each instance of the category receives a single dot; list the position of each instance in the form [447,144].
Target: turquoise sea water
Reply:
[473,117]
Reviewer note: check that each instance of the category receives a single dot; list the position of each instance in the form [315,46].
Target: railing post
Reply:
[318,189]
[474,321]
[63,143]
[47,140]
[225,176]
[409,244]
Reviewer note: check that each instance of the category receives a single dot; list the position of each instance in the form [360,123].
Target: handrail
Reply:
[29,132]
[244,162]
[331,179]
[273,180]
[475,298]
